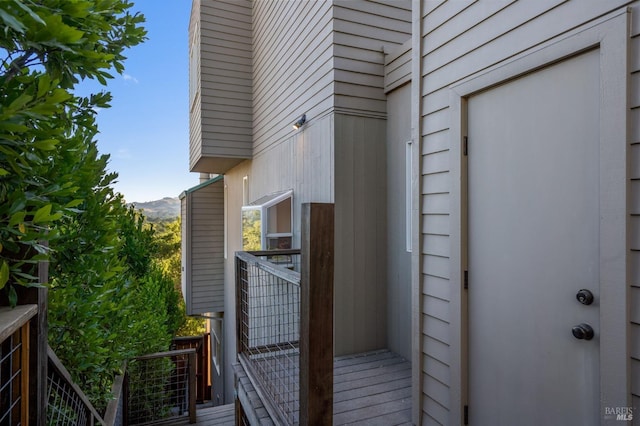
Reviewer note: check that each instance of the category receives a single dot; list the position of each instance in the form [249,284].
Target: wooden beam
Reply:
[316,315]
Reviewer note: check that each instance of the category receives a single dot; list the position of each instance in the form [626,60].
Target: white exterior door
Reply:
[533,244]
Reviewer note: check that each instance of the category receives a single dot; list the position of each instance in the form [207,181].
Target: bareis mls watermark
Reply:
[623,414]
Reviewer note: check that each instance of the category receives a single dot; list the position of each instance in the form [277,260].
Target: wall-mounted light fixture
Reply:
[300,122]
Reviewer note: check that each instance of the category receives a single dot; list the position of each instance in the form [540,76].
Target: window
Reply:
[267,223]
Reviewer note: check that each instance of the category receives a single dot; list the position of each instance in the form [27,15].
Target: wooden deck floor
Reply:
[223,415]
[373,388]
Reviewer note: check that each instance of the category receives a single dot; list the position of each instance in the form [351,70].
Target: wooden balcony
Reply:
[286,372]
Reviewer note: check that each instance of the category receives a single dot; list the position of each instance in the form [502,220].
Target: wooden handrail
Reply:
[259,253]
[166,354]
[11,319]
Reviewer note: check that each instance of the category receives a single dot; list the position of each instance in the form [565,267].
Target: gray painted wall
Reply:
[399,260]
[457,39]
[360,228]
[305,163]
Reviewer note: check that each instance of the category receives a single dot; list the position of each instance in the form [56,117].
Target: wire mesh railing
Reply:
[14,365]
[66,403]
[201,344]
[161,386]
[268,315]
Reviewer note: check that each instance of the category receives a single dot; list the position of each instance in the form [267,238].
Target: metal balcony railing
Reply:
[161,386]
[284,322]
[268,297]
[66,403]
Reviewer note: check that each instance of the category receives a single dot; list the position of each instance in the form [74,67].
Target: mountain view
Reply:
[167,208]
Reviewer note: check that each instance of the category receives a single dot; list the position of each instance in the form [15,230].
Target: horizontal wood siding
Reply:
[363,32]
[292,67]
[460,38]
[205,249]
[397,67]
[195,103]
[222,117]
[634,258]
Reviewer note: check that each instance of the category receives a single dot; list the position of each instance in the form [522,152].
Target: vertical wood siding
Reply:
[203,219]
[361,246]
[292,66]
[221,119]
[363,31]
[459,39]
[634,257]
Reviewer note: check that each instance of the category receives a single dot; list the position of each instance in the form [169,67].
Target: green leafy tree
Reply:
[168,240]
[109,299]
[46,48]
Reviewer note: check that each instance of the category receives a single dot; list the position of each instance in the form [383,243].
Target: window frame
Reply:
[262,205]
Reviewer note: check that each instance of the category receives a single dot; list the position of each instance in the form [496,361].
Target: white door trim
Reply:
[610,35]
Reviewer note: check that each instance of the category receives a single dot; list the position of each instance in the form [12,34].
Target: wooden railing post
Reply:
[316,315]
[192,386]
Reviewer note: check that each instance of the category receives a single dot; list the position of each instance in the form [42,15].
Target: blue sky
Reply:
[146,130]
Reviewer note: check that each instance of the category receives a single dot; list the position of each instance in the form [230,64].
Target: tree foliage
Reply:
[46,132]
[168,240]
[109,299]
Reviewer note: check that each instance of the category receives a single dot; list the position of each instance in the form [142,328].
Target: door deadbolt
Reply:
[584,296]
[582,332]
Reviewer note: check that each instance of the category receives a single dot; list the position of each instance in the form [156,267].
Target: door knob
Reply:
[582,331]
[585,297]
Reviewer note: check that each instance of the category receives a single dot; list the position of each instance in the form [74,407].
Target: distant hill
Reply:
[167,208]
